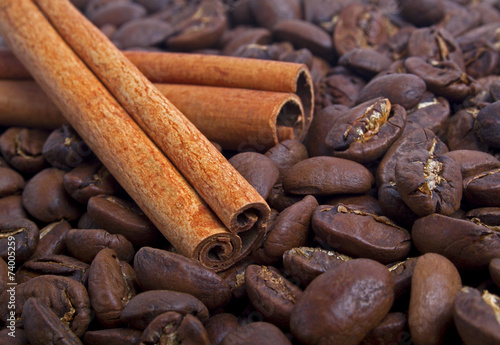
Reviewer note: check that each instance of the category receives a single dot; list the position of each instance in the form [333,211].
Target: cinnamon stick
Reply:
[237,119]
[230,196]
[136,162]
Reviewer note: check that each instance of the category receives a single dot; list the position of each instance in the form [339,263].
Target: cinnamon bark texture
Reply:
[230,196]
[140,167]
[209,70]
[237,119]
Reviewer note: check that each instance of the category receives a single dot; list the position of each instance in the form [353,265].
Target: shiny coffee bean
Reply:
[60,265]
[402,273]
[18,239]
[361,202]
[392,329]
[287,153]
[12,206]
[483,189]
[262,333]
[473,162]
[52,239]
[365,62]
[220,325]
[11,182]
[460,133]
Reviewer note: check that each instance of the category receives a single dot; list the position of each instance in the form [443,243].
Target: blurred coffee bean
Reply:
[460,133]
[95,5]
[488,125]
[494,269]
[113,336]
[262,333]
[146,306]
[19,339]
[162,270]
[404,89]
[85,222]
[429,11]
[64,149]
[43,326]
[486,215]
[12,206]
[95,240]
[88,180]
[361,202]
[327,175]
[366,131]
[458,20]
[112,284]
[287,153]
[22,149]
[259,170]
[365,62]
[388,331]
[402,273]
[340,87]
[326,313]
[270,12]
[360,234]
[483,189]
[18,239]
[175,327]
[142,32]
[306,263]
[271,294]
[475,316]
[473,162]
[60,265]
[45,198]
[259,36]
[118,216]
[116,13]
[469,245]
[52,239]
[220,325]
[153,5]
[11,182]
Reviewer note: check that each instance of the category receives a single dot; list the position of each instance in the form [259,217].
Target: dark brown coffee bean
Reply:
[494,268]
[338,87]
[271,294]
[112,284]
[483,189]
[327,175]
[146,306]
[244,36]
[326,313]
[366,131]
[287,153]
[429,11]
[360,234]
[404,89]
[306,263]
[162,270]
[393,205]
[432,113]
[175,327]
[19,339]
[142,32]
[270,12]
[259,170]
[95,5]
[22,149]
[459,20]
[361,202]
[473,162]
[469,245]
[235,276]
[475,316]
[402,273]
[95,240]
[67,298]
[113,336]
[429,183]
[488,124]
[279,200]
[12,206]
[220,325]
[88,180]
[435,283]
[152,5]
[52,239]
[60,265]
[18,239]
[43,326]
[389,331]
[116,13]
[460,133]
[118,216]
[262,333]
[486,215]
[11,182]
[365,62]
[85,222]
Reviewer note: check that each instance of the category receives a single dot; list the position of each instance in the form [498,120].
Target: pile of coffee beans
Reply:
[385,227]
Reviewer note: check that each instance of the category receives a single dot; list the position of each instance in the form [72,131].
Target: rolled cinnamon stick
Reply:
[136,162]
[237,119]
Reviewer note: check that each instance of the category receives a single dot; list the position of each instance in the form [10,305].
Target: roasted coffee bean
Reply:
[429,11]
[361,202]
[326,313]
[404,89]
[367,131]
[402,273]
[306,263]
[270,12]
[220,325]
[11,182]
[153,5]
[45,198]
[486,215]
[429,183]
[60,265]
[175,327]
[67,298]
[159,269]
[88,180]
[118,216]
[239,38]
[142,32]
[146,306]
[93,6]
[488,124]
[259,170]
[327,175]
[392,329]
[117,13]
[18,239]
[473,162]
[43,326]
[279,200]
[365,62]
[85,222]
[494,268]
[460,133]
[64,149]
[52,239]
[113,336]
[287,153]
[22,149]
[360,234]
[431,112]
[435,283]
[470,245]
[112,284]
[483,189]
[95,240]
[475,316]
[12,206]
[271,294]
[262,333]
[19,339]
[340,87]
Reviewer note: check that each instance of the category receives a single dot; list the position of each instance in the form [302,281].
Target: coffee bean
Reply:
[263,333]
[343,304]
[390,330]
[431,112]
[361,202]
[287,153]
[220,325]
[483,189]
[113,336]
[11,182]
[268,13]
[473,162]
[402,273]
[488,123]
[429,11]
[19,339]
[494,269]
[486,215]
[18,238]
[259,36]
[142,32]
[52,239]
[339,87]
[12,206]
[60,265]
[365,62]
